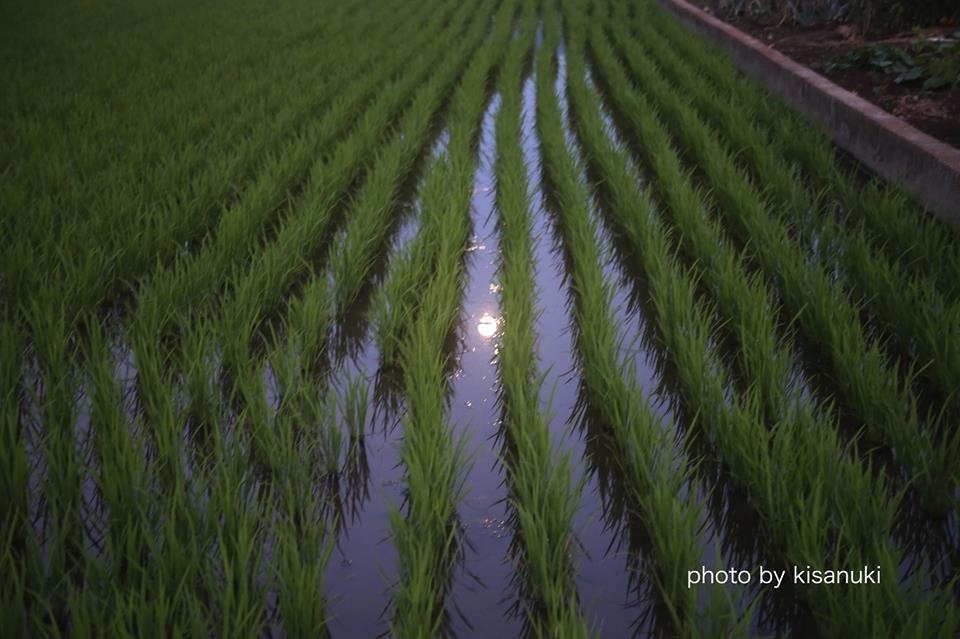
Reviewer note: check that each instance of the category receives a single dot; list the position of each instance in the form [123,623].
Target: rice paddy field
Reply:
[476,318]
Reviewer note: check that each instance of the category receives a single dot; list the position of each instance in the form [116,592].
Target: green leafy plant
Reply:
[937,63]
[900,14]
[803,12]
[185,446]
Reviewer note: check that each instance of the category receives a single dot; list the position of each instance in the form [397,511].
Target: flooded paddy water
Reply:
[317,438]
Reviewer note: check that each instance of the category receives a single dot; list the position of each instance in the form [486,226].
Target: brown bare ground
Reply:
[936,113]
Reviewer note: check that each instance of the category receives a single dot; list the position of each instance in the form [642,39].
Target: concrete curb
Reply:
[927,167]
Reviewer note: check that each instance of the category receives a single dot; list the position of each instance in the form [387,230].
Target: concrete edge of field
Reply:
[895,150]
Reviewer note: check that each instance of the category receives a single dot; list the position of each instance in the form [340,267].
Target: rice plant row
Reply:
[434,457]
[887,289]
[861,511]
[177,216]
[194,283]
[239,237]
[544,499]
[658,475]
[880,397]
[59,388]
[922,244]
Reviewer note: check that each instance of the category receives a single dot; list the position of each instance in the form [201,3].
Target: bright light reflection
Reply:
[487,327]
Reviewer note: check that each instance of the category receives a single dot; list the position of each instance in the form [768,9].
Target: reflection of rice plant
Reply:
[657,477]
[182,445]
[543,499]
[355,407]
[749,315]
[330,434]
[427,533]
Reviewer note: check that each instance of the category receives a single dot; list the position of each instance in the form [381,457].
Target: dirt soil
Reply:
[934,112]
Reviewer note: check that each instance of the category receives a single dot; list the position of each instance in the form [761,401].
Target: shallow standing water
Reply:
[481,587]
[364,561]
[56,416]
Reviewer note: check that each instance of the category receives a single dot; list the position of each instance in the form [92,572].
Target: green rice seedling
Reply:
[310,317]
[240,491]
[923,245]
[167,542]
[301,448]
[355,407]
[674,298]
[541,493]
[19,559]
[874,390]
[286,377]
[189,282]
[760,350]
[209,241]
[426,536]
[864,515]
[177,288]
[415,265]
[897,299]
[285,255]
[303,553]
[256,289]
[921,320]
[204,403]
[331,443]
[55,396]
[433,459]
[154,392]
[916,242]
[168,88]
[213,62]
[16,471]
[306,398]
[656,475]
[136,252]
[399,299]
[253,428]
[330,436]
[367,226]
[262,286]
[758,152]
[123,480]
[130,558]
[236,596]
[804,465]
[399,294]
